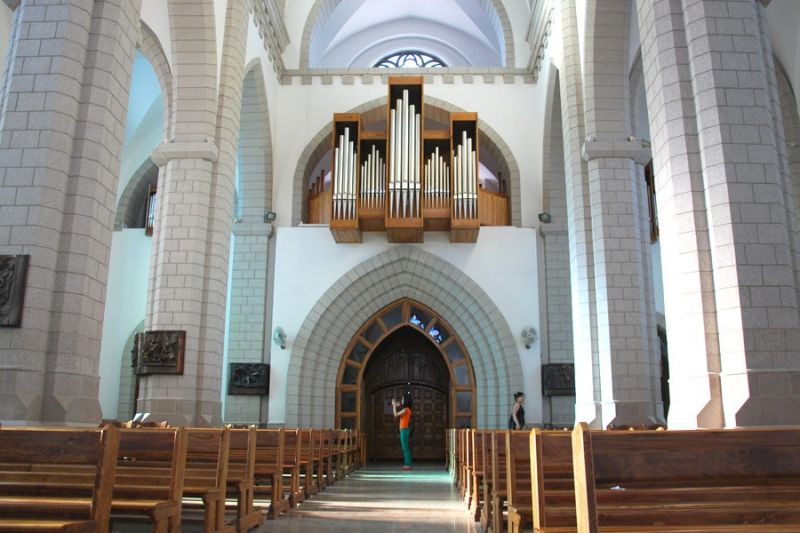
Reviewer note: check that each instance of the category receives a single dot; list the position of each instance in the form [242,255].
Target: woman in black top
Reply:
[517,419]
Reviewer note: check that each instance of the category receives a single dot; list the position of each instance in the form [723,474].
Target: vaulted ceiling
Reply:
[358,33]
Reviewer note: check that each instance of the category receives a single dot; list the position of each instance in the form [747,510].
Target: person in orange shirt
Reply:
[402,410]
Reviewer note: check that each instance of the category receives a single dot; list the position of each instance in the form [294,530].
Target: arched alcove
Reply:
[383,327]
[494,151]
[401,272]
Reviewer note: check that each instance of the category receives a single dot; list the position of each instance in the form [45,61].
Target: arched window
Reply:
[410,59]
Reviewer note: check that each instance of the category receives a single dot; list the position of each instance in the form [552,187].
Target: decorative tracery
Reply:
[410,59]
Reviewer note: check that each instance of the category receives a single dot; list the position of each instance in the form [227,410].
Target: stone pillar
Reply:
[579,224]
[248,324]
[188,286]
[628,356]
[556,338]
[732,316]
[63,128]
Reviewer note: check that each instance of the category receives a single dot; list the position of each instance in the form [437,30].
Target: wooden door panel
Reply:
[407,362]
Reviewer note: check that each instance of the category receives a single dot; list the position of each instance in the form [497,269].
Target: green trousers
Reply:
[405,435]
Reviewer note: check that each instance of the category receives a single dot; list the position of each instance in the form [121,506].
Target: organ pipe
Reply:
[372,173]
[344,185]
[404,176]
[437,187]
[465,197]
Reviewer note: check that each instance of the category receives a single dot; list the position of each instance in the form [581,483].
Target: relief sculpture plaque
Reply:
[248,378]
[13,269]
[558,379]
[158,352]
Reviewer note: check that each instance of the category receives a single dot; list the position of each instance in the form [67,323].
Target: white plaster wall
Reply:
[503,263]
[519,15]
[156,15]
[139,147]
[295,21]
[514,111]
[220,6]
[125,307]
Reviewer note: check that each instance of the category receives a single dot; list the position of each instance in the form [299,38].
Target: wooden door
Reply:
[407,364]
[429,420]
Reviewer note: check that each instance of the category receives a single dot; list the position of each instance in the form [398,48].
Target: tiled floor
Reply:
[382,498]
[379,498]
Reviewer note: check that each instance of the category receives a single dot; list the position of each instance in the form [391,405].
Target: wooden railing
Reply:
[492,208]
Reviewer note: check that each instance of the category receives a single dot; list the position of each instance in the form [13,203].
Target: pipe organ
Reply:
[405,179]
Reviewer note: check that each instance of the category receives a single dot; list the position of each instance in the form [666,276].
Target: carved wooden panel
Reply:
[407,363]
[13,270]
[158,352]
[558,379]
[248,378]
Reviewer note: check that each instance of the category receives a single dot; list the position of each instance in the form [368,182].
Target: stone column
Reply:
[732,316]
[62,133]
[248,324]
[579,224]
[188,286]
[556,340]
[628,357]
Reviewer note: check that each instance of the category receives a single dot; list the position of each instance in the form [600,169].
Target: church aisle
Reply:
[382,498]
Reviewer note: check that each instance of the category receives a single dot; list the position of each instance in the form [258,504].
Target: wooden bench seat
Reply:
[46,506]
[518,480]
[241,479]
[291,466]
[269,469]
[686,481]
[552,485]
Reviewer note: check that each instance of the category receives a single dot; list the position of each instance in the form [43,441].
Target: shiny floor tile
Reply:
[382,498]
[379,498]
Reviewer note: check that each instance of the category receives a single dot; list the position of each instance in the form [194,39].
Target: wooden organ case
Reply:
[406,179]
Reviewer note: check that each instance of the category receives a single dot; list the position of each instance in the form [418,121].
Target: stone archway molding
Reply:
[403,271]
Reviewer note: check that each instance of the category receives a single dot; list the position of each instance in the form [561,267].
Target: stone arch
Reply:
[130,208]
[322,9]
[556,306]
[126,405]
[638,98]
[376,331]
[402,272]
[490,141]
[150,47]
[255,147]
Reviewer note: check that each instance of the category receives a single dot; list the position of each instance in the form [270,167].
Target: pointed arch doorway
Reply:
[405,346]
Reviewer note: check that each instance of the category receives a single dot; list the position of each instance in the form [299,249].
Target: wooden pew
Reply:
[161,502]
[328,452]
[291,466]
[552,488]
[269,467]
[463,462]
[42,505]
[487,451]
[498,485]
[308,478]
[686,481]
[241,478]
[476,502]
[518,480]
[157,456]
[317,457]
[206,475]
